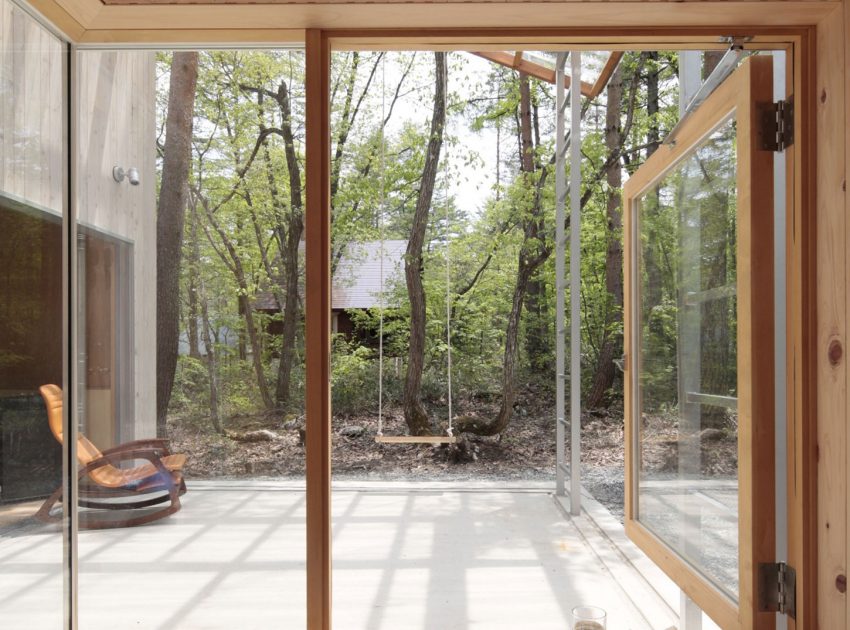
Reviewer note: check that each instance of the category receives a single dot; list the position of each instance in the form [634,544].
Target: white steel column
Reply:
[560,272]
[690,81]
[575,282]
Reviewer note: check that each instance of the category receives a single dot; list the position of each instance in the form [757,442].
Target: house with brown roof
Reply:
[363,272]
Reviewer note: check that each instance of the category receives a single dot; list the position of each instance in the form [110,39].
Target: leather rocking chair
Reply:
[103,485]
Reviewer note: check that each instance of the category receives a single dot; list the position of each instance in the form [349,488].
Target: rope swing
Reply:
[381,299]
[449,438]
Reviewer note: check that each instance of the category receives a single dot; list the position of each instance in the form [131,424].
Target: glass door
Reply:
[189,337]
[699,321]
[34,540]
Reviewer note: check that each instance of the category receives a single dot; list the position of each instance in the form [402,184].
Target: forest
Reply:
[450,155]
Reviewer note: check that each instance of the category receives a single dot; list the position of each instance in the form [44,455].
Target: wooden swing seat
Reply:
[416,439]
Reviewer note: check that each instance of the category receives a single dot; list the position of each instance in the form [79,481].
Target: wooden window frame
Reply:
[738,98]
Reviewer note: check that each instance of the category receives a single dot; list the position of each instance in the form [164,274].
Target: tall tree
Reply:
[534,251]
[717,265]
[173,196]
[288,227]
[605,373]
[653,291]
[202,311]
[537,329]
[414,412]
[536,247]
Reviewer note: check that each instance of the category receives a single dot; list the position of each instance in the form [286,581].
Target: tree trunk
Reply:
[537,341]
[233,261]
[710,59]
[533,254]
[653,294]
[289,253]
[715,235]
[170,218]
[414,412]
[606,370]
[254,341]
[192,290]
[212,366]
[211,358]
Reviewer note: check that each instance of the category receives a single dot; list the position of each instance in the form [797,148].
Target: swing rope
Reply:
[381,299]
[448,284]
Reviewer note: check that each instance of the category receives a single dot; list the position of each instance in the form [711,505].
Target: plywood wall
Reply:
[31,113]
[117,100]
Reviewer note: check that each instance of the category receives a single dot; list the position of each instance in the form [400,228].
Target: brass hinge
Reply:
[776,132]
[778,588]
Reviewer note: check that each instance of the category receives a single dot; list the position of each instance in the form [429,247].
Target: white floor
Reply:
[406,556]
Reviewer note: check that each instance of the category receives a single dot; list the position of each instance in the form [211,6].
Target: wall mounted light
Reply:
[132,175]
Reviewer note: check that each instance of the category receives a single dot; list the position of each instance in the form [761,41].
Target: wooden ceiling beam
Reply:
[530,68]
[605,75]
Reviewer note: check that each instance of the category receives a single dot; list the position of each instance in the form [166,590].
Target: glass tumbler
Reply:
[588,618]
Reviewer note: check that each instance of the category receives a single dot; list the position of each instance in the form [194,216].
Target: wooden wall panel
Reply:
[843,65]
[117,128]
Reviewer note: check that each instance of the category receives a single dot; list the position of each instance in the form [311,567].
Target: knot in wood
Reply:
[841,583]
[835,352]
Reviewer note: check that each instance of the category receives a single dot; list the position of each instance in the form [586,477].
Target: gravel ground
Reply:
[270,446]
[606,485]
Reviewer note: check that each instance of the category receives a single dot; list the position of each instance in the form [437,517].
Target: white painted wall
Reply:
[117,127]
[31,118]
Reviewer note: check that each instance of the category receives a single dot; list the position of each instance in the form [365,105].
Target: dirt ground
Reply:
[271,445]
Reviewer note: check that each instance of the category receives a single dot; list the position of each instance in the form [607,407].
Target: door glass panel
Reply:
[189,270]
[32,191]
[687,310]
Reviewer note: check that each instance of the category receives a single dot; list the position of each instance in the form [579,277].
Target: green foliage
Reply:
[240,212]
[190,387]
[354,378]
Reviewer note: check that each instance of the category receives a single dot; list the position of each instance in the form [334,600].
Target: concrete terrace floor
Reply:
[406,556]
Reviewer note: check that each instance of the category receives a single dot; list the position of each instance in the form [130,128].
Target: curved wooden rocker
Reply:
[104,486]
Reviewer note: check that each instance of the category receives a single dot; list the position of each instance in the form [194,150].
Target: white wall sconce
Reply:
[132,175]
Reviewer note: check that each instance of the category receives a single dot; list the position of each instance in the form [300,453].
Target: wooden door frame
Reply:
[802,231]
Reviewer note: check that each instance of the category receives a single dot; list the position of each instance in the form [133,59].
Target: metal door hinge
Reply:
[776,131]
[778,588]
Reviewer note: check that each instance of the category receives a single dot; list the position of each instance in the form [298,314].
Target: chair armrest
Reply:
[153,456]
[159,444]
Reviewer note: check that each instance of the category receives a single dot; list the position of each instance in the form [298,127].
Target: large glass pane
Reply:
[32,167]
[687,309]
[190,330]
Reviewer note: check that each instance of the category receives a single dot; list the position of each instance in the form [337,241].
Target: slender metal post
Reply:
[70,367]
[560,272]
[688,351]
[575,283]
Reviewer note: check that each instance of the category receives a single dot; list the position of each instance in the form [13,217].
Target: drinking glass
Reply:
[588,618]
